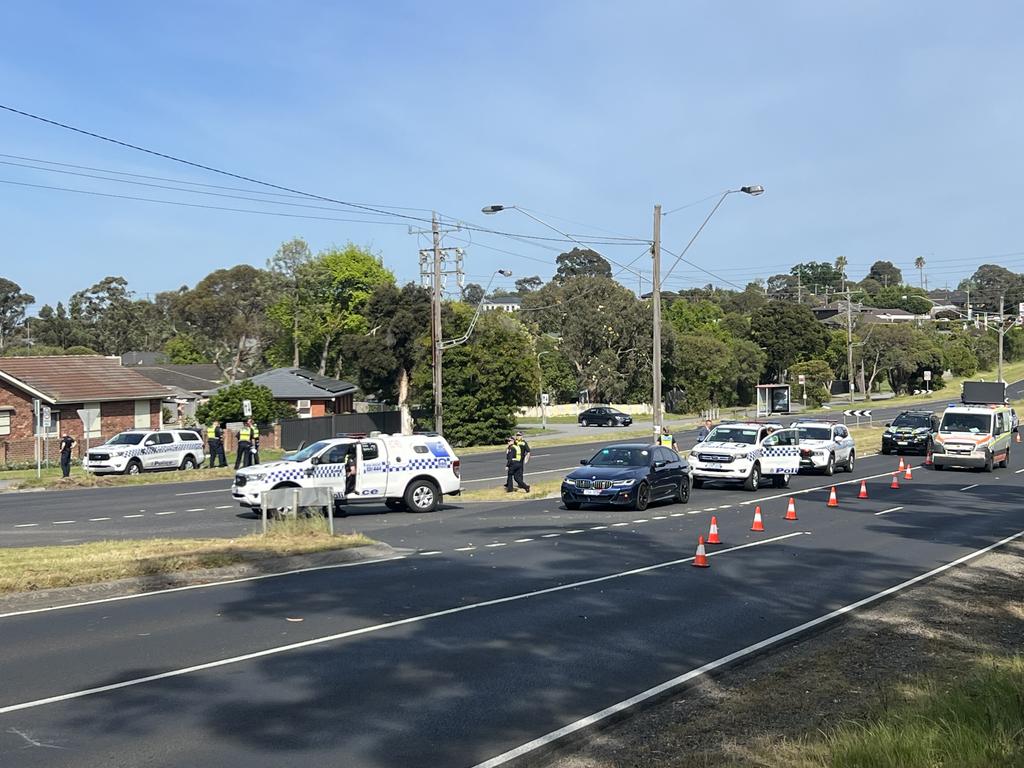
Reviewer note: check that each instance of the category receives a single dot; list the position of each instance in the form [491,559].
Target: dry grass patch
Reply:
[539,490]
[29,568]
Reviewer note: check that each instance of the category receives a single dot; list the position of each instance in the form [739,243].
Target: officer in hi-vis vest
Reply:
[244,456]
[667,439]
[215,444]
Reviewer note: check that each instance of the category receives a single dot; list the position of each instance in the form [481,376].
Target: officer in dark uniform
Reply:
[215,444]
[67,442]
[255,442]
[244,455]
[514,460]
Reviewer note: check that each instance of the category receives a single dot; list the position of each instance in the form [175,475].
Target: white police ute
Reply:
[142,450]
[411,472]
[746,452]
[825,446]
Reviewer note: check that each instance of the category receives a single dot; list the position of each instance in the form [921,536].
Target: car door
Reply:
[668,471]
[371,475]
[843,442]
[780,453]
[149,456]
[329,469]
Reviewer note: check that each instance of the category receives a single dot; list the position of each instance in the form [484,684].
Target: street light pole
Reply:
[849,343]
[435,325]
[656,302]
[1002,333]
[543,410]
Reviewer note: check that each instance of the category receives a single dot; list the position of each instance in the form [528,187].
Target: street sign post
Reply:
[247,408]
[927,381]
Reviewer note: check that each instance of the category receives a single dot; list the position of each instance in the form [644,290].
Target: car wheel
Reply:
[753,481]
[939,467]
[885,451]
[830,468]
[642,497]
[683,493]
[781,481]
[851,461]
[583,423]
[1006,459]
[421,496]
[188,463]
[394,504]
[134,467]
[571,505]
[988,463]
[698,482]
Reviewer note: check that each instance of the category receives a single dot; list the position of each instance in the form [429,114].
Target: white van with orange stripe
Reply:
[974,435]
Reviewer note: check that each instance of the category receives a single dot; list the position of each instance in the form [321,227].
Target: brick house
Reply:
[115,397]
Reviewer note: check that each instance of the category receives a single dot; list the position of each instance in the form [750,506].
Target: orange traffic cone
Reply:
[895,480]
[908,475]
[700,560]
[791,509]
[758,524]
[833,499]
[928,458]
[863,490]
[713,533]
[902,466]
[1016,436]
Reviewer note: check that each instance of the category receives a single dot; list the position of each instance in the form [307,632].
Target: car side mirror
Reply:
[660,464]
[584,462]
[314,460]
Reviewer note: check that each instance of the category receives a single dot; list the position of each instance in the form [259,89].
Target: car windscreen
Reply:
[747,435]
[309,450]
[814,433]
[975,423]
[621,457]
[125,438]
[912,421]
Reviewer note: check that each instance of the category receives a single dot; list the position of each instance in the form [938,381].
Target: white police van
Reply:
[141,450]
[746,452]
[411,472]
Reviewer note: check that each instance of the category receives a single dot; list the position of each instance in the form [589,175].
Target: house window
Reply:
[90,415]
[5,422]
[142,414]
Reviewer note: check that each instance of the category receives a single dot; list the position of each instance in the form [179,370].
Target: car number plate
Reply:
[901,442]
[591,492]
[713,465]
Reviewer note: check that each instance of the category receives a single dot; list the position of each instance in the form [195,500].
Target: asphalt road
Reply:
[205,508]
[503,624]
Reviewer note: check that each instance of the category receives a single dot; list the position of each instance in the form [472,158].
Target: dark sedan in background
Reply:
[604,416]
[628,475]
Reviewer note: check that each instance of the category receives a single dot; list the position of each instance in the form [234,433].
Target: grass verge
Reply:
[30,568]
[538,490]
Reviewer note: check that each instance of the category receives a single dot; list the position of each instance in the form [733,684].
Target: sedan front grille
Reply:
[598,484]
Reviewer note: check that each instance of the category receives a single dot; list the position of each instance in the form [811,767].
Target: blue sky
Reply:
[880,130]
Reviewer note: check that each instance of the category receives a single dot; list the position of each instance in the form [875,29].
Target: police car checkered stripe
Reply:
[338,470]
[781,450]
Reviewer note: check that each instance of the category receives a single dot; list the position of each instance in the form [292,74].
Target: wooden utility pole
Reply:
[849,342]
[435,325]
[656,306]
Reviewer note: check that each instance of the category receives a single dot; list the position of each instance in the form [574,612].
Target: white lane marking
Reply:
[574,530]
[1017,472]
[678,514]
[887,511]
[550,535]
[166,513]
[599,528]
[618,525]
[585,722]
[197,493]
[375,628]
[127,516]
[26,525]
[531,472]
[522,541]
[496,544]
[641,520]
[694,512]
[63,522]
[431,552]
[464,549]
[190,587]
[226,506]
[197,509]
[711,509]
[97,519]
[658,517]
[726,506]
[969,487]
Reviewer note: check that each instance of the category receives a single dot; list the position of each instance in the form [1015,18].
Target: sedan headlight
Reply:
[623,483]
[258,478]
[568,480]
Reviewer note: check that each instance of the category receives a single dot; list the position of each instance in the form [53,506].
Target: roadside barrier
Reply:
[700,560]
[713,533]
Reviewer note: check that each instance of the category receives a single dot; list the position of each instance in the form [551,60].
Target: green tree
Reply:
[288,263]
[473,294]
[886,273]
[13,303]
[990,282]
[960,359]
[816,276]
[528,284]
[817,378]
[789,333]
[226,404]
[184,350]
[581,262]
[53,327]
[699,317]
[107,317]
[557,376]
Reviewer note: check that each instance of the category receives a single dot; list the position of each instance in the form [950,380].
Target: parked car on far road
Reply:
[604,416]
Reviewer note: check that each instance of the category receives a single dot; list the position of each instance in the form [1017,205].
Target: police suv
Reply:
[140,450]
[746,452]
[825,446]
[411,472]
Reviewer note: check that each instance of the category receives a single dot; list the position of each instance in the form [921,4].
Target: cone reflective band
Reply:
[928,458]
[863,490]
[758,524]
[895,480]
[791,509]
[902,466]
[833,500]
[713,533]
[907,475]
[700,560]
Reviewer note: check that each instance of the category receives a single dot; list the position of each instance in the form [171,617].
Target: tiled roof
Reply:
[80,378]
[195,378]
[301,384]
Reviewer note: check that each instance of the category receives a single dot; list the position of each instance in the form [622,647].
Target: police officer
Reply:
[215,444]
[67,442]
[704,431]
[515,459]
[667,439]
[244,455]
[255,442]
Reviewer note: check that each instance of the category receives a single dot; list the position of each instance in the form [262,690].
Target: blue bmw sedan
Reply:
[629,475]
